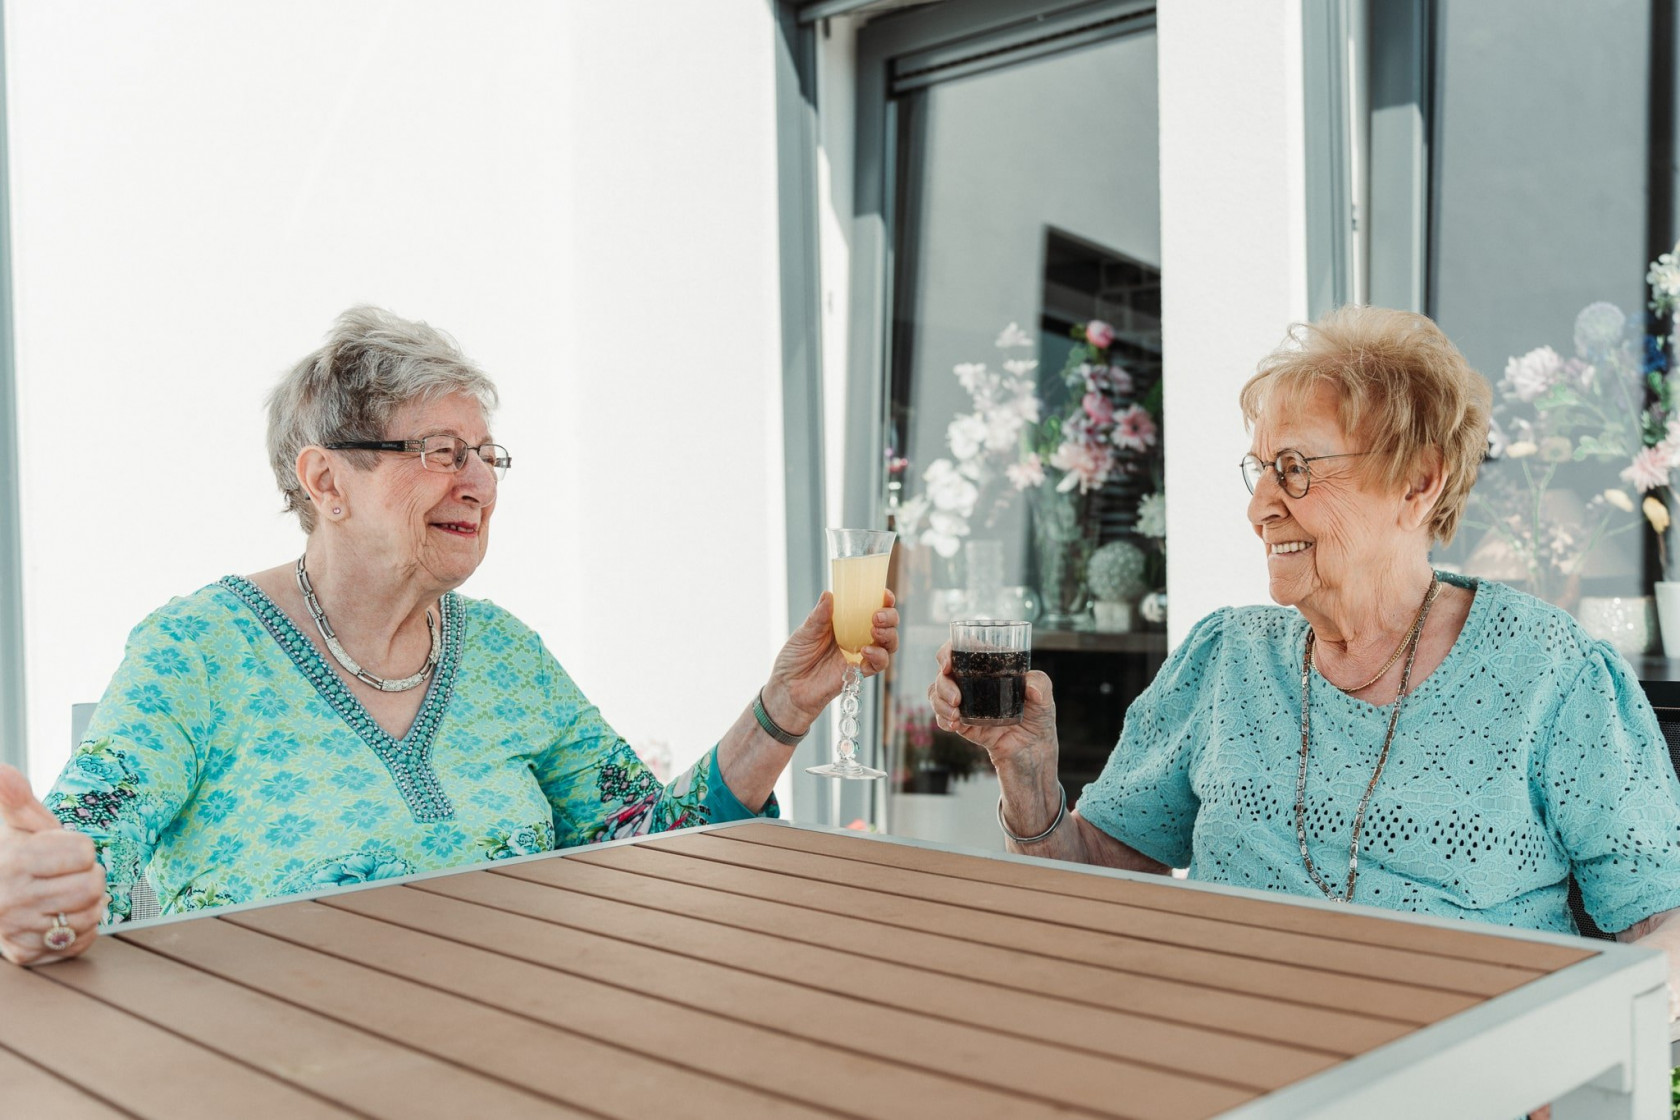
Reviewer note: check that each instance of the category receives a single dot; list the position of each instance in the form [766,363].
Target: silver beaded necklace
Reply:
[343,657]
[1382,758]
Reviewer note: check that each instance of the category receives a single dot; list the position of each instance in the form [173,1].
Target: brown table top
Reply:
[758,969]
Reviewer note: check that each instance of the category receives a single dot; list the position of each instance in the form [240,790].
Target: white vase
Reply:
[1112,618]
[1668,616]
[1626,622]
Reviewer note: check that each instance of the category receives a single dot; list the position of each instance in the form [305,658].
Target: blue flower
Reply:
[444,840]
[276,746]
[226,850]
[149,698]
[218,805]
[496,641]
[363,867]
[355,778]
[474,771]
[362,813]
[523,841]
[183,628]
[509,711]
[492,799]
[219,762]
[502,675]
[168,662]
[283,787]
[289,830]
[266,703]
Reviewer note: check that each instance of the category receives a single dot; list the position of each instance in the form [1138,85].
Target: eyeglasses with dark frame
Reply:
[437,453]
[1294,476]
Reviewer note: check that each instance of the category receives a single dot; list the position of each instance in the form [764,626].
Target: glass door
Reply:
[1023,426]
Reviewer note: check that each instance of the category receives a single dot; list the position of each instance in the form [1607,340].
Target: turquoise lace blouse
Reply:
[1529,755]
[229,763]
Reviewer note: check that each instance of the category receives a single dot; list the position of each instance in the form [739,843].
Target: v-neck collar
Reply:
[409,758]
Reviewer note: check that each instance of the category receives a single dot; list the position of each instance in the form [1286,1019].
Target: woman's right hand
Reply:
[1026,746]
[45,870]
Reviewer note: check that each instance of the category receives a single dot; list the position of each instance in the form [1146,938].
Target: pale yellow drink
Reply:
[860,587]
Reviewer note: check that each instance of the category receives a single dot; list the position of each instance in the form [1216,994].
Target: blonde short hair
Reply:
[1403,388]
[372,363]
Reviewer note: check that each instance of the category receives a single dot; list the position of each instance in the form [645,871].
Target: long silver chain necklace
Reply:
[350,664]
[1388,740]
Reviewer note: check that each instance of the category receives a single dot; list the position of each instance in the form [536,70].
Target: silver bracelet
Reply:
[786,738]
[1061,815]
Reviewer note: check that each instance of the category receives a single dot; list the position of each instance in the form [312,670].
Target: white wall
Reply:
[579,194]
[1233,272]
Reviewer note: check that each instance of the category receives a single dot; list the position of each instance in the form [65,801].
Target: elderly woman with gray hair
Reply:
[348,716]
[1388,734]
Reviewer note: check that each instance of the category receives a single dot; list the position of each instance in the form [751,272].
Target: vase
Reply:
[1062,540]
[1626,622]
[1112,618]
[983,560]
[1668,615]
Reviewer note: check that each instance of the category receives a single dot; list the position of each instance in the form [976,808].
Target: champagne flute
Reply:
[857,560]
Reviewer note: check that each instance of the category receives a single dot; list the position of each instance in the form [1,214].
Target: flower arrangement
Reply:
[1612,404]
[1006,445]
[928,757]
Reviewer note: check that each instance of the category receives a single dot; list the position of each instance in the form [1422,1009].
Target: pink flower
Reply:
[1086,466]
[1649,468]
[1026,474]
[1099,408]
[1119,381]
[1134,429]
[1099,334]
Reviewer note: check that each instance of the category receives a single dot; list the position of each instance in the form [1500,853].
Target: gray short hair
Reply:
[372,363]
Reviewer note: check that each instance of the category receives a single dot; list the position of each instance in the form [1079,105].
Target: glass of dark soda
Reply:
[989,662]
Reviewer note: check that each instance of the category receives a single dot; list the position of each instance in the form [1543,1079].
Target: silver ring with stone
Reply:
[60,937]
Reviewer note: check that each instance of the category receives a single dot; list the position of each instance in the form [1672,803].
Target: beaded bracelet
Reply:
[1061,814]
[786,738]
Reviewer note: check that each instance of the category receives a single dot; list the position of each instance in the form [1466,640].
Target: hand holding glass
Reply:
[989,663]
[858,561]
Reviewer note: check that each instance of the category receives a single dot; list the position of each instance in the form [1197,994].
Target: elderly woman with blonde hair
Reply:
[1389,734]
[348,716]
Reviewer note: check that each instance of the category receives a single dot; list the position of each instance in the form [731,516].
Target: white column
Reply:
[1233,252]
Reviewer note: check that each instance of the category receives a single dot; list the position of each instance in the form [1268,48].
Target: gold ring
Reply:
[60,937]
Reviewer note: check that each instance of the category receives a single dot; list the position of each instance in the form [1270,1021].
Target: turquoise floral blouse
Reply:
[228,763]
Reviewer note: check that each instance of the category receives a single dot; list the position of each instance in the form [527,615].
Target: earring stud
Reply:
[337,511]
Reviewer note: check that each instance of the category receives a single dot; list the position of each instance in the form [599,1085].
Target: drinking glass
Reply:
[857,562]
[989,662]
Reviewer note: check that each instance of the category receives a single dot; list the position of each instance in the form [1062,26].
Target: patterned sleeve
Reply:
[601,790]
[1610,794]
[1143,797]
[138,762]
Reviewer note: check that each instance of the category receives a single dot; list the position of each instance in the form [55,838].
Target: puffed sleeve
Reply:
[1610,794]
[140,758]
[599,789]
[1143,797]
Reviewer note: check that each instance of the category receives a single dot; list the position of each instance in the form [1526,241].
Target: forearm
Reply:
[750,760]
[1032,799]
[1661,931]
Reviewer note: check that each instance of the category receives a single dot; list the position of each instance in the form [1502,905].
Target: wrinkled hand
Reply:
[45,870]
[1009,745]
[808,671]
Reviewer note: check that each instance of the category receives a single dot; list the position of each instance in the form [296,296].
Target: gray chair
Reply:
[142,897]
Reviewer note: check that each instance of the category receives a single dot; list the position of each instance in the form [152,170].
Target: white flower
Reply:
[1152,515]
[1649,468]
[945,532]
[1532,374]
[1498,443]
[1664,276]
[1020,367]
[1598,328]
[1003,430]
[1619,499]
[1026,406]
[1026,474]
[1086,467]
[966,435]
[948,490]
[1522,449]
[1013,336]
[971,375]
[1656,513]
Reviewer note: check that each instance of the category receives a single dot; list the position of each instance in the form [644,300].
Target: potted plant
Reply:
[1115,575]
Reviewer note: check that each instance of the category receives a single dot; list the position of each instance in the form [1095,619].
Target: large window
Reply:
[1022,416]
[1520,158]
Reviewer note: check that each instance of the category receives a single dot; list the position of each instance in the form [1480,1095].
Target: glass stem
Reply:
[845,751]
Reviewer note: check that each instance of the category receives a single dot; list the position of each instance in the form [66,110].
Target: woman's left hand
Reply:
[809,669]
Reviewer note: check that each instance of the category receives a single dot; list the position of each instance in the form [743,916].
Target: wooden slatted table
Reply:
[763,969]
